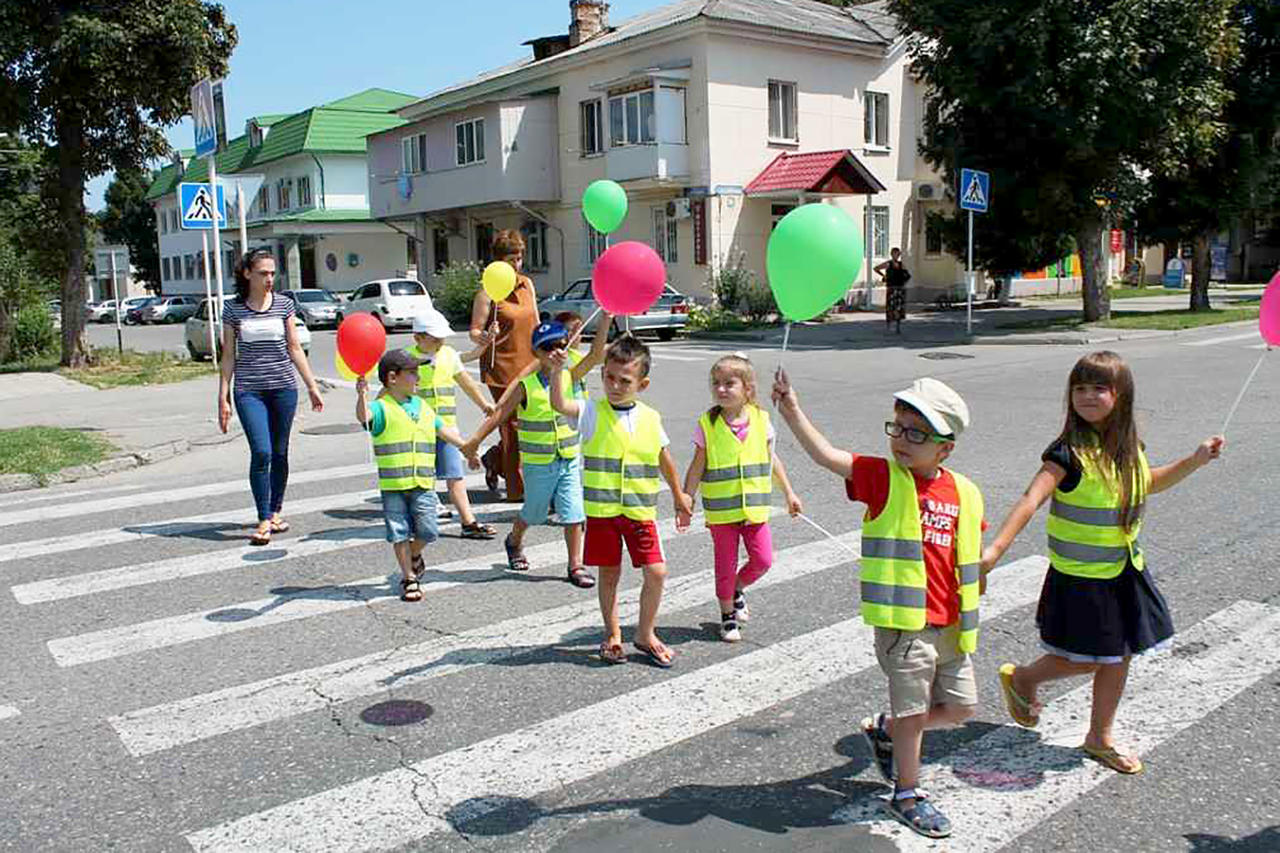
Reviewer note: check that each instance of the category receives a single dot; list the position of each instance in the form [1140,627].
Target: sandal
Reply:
[419,566]
[652,656]
[1024,713]
[1111,757]
[478,530]
[881,746]
[516,561]
[581,578]
[409,590]
[279,525]
[261,536]
[923,817]
[612,653]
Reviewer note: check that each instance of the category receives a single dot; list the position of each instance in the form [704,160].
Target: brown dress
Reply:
[512,351]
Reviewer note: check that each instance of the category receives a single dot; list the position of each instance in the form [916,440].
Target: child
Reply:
[404,430]
[1098,606]
[440,373]
[921,542]
[733,454]
[572,322]
[549,452]
[624,448]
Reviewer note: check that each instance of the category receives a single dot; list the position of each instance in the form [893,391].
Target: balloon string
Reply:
[583,327]
[786,336]
[1231,413]
[816,526]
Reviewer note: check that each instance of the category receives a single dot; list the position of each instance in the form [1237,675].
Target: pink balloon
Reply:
[1269,315]
[628,278]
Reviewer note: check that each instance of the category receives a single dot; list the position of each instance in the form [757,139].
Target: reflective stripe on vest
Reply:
[620,471]
[737,484]
[893,579]
[436,382]
[541,432]
[405,450]
[1085,536]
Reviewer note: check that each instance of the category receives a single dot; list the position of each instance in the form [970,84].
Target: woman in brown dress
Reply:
[511,323]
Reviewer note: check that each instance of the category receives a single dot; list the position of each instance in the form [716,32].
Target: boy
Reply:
[404,430]
[549,452]
[921,544]
[573,322]
[440,373]
[624,447]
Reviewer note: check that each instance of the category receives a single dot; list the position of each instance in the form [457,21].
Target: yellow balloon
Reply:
[341,366]
[499,279]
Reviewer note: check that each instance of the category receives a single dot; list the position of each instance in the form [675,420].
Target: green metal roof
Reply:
[269,119]
[317,215]
[372,100]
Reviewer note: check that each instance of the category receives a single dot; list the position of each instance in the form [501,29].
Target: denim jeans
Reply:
[267,418]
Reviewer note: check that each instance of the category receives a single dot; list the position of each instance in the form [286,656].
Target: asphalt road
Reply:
[166,687]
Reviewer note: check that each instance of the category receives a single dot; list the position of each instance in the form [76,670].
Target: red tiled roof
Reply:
[815,171]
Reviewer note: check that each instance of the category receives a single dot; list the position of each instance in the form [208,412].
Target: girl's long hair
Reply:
[738,365]
[245,266]
[1114,444]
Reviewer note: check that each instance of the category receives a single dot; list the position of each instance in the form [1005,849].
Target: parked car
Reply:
[316,307]
[133,317]
[196,333]
[394,301]
[170,309]
[102,312]
[667,316]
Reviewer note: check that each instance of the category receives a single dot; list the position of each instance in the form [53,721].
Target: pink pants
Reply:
[759,544]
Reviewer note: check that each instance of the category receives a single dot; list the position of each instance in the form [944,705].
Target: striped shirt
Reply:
[262,350]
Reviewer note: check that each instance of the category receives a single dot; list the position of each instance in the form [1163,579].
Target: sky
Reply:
[295,54]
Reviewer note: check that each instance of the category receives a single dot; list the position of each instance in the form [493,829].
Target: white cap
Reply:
[433,323]
[942,407]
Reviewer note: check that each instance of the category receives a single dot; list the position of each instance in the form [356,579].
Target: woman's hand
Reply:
[317,401]
[224,413]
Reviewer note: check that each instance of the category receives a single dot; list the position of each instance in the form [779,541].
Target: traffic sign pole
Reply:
[217,240]
[213,347]
[115,291]
[969,322]
[244,229]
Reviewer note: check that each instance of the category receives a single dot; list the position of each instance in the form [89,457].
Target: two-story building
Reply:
[312,206]
[717,117]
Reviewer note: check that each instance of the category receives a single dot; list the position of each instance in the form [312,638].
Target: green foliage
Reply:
[713,318]
[21,293]
[33,334]
[42,451]
[738,290]
[459,283]
[757,301]
[130,220]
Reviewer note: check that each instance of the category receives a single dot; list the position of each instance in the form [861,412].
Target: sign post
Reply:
[115,292]
[208,295]
[205,120]
[975,195]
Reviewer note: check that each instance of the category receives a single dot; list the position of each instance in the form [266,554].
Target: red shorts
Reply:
[606,535]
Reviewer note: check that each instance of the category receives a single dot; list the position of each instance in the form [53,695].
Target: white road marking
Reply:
[1208,342]
[662,356]
[387,810]
[45,495]
[7,711]
[1000,786]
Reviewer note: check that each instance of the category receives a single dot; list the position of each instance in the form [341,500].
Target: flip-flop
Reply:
[1022,711]
[1114,759]
[581,578]
[612,653]
[653,658]
[260,537]
[279,526]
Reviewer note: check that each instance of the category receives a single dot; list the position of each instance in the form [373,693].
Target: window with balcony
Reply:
[592,128]
[664,235]
[470,139]
[880,231]
[875,119]
[535,245]
[632,119]
[413,154]
[304,191]
[783,118]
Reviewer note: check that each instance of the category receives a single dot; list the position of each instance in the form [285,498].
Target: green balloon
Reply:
[814,257]
[605,206]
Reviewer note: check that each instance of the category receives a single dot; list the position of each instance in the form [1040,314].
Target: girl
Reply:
[1098,607]
[734,457]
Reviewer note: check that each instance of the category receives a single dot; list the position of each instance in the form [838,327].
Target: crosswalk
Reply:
[1001,784]
[1237,339]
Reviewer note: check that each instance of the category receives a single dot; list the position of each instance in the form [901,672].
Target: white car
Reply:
[197,333]
[394,301]
[102,312]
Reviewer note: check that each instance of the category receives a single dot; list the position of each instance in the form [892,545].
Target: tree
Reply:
[1068,101]
[130,219]
[96,82]
[28,207]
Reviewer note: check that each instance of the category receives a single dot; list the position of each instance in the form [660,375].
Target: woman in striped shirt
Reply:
[260,348]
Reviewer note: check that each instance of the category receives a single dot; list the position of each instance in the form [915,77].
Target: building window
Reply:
[413,154]
[932,236]
[631,119]
[440,248]
[304,191]
[880,231]
[229,265]
[470,139]
[264,200]
[535,245]
[284,189]
[596,242]
[664,235]
[776,212]
[189,266]
[173,219]
[164,222]
[164,269]
[782,111]
[484,242]
[592,129]
[875,119]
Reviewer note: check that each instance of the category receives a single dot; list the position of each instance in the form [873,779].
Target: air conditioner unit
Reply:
[930,192]
[679,208]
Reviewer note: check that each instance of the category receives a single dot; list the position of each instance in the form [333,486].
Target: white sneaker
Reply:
[740,610]
[729,629]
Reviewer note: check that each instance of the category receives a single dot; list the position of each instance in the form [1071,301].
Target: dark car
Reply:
[134,315]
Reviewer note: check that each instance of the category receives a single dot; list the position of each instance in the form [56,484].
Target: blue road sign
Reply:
[202,116]
[975,190]
[196,206]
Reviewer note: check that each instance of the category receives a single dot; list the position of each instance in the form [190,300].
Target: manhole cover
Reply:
[943,356]
[332,429]
[234,614]
[396,712]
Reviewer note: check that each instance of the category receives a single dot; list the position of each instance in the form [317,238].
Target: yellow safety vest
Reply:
[893,571]
[1085,536]
[405,450]
[543,433]
[620,473]
[575,358]
[436,383]
[738,480]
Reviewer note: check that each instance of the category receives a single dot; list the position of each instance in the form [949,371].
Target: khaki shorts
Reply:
[925,668]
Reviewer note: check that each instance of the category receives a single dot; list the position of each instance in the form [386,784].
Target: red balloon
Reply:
[628,278]
[361,342]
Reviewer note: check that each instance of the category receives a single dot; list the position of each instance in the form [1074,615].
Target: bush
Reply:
[730,282]
[459,283]
[713,318]
[34,334]
[740,295]
[756,300]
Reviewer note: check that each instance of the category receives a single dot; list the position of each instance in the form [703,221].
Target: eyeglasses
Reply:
[893,429]
[552,346]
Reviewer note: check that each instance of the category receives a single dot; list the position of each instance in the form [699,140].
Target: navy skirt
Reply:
[1102,621]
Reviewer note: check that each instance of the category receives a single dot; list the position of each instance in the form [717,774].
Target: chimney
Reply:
[588,19]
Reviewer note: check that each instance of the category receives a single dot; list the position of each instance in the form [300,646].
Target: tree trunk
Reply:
[1093,268]
[71,141]
[1201,264]
[6,333]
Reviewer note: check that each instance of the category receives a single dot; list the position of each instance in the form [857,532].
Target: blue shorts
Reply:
[410,514]
[449,462]
[559,481]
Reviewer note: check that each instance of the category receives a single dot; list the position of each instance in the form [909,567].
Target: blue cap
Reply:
[546,333]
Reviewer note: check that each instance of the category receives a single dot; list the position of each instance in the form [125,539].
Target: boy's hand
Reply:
[362,385]
[683,520]
[784,396]
[559,359]
[488,409]
[683,503]
[794,506]
[989,557]
[469,447]
[982,582]
[1209,450]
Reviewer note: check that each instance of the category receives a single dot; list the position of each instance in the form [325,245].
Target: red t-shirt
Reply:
[939,518]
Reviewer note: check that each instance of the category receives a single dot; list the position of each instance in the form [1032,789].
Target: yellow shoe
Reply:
[1023,712]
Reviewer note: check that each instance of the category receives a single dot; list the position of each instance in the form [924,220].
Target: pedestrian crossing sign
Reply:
[196,207]
[975,190]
